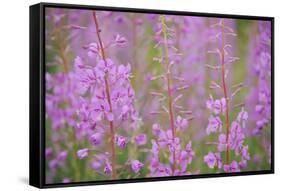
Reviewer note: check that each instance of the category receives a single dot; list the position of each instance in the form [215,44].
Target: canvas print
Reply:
[139,95]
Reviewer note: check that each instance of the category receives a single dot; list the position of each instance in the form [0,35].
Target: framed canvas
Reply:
[120,95]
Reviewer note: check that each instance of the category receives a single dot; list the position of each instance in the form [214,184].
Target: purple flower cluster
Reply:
[58,161]
[97,108]
[61,96]
[107,102]
[136,166]
[213,160]
[235,144]
[263,71]
[61,106]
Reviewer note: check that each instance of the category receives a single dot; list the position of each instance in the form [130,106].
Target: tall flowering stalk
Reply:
[224,85]
[108,97]
[168,138]
[234,136]
[168,78]
[260,64]
[61,102]
[110,105]
[263,72]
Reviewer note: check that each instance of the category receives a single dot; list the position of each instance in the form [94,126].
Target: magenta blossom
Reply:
[189,151]
[232,167]
[136,165]
[242,117]
[121,141]
[245,153]
[243,164]
[140,139]
[222,142]
[48,152]
[53,164]
[96,165]
[62,156]
[82,153]
[107,169]
[166,139]
[181,123]
[215,124]
[156,129]
[96,139]
[216,106]
[213,160]
[236,137]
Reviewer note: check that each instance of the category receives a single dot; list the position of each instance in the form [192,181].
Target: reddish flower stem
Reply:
[170,98]
[107,89]
[224,85]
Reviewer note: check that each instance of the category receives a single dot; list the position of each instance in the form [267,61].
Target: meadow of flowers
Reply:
[131,95]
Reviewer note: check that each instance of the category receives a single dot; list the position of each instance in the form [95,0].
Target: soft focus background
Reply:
[14,110]
[134,39]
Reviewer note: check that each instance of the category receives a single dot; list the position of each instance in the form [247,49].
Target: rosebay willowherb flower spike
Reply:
[230,135]
[263,71]
[61,102]
[107,104]
[169,139]
[259,61]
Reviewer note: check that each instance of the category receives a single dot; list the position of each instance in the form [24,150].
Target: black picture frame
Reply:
[37,94]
